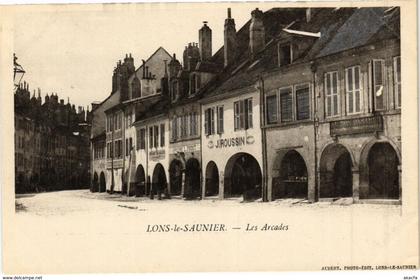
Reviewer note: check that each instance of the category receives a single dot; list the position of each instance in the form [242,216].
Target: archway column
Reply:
[400,180]
[221,185]
[356,183]
[182,183]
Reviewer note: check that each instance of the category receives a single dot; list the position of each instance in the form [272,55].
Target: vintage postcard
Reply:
[204,137]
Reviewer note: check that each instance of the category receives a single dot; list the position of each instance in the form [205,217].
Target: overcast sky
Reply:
[72,50]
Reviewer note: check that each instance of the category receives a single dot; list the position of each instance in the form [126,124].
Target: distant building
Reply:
[51,143]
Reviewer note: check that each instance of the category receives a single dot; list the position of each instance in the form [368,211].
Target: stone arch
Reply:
[102,182]
[176,168]
[95,182]
[336,179]
[192,188]
[212,179]
[159,182]
[243,177]
[290,175]
[380,167]
[140,181]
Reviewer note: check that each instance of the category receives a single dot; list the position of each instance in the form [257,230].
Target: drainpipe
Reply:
[316,125]
[263,141]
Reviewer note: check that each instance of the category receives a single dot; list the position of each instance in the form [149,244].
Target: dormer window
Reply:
[285,54]
[195,83]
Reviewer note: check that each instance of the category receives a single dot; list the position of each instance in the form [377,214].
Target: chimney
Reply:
[230,43]
[204,38]
[256,32]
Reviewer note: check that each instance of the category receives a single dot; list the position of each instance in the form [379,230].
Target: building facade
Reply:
[298,103]
[51,143]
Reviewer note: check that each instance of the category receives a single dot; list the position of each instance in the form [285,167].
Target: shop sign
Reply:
[231,142]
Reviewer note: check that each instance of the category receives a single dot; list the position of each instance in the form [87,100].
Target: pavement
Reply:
[79,231]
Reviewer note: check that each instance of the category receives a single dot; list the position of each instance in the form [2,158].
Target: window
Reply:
[243,114]
[155,136]
[126,147]
[397,81]
[130,146]
[271,101]
[174,128]
[285,54]
[353,91]
[286,104]
[302,102]
[331,94]
[150,137]
[143,138]
[220,128]
[162,135]
[378,84]
[209,121]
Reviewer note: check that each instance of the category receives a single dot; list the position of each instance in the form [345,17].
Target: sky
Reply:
[72,49]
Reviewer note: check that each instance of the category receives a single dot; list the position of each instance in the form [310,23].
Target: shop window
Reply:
[302,102]
[397,81]
[331,94]
[378,84]
[286,104]
[353,90]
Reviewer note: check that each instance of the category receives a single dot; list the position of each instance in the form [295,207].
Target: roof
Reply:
[328,32]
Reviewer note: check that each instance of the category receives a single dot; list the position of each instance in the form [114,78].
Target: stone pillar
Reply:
[221,185]
[356,183]
[400,180]
[183,184]
[311,187]
[269,188]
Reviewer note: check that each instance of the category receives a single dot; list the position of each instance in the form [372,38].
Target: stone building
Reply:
[299,103]
[51,143]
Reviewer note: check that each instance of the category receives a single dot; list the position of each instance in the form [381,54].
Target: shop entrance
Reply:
[102,182]
[158,181]
[192,179]
[212,179]
[243,177]
[383,171]
[140,183]
[336,178]
[95,182]
[175,173]
[293,176]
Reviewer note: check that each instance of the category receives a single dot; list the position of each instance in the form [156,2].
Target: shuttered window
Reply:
[353,90]
[248,115]
[331,94]
[220,128]
[302,102]
[155,136]
[162,135]
[209,121]
[397,81]
[271,102]
[378,84]
[286,104]
[243,114]
[150,137]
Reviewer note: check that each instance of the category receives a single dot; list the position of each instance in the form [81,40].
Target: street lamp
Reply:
[18,71]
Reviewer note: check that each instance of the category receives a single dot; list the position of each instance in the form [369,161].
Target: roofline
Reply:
[150,57]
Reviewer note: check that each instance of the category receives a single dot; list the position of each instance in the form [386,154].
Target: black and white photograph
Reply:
[209,137]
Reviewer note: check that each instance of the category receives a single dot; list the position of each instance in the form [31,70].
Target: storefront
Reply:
[231,145]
